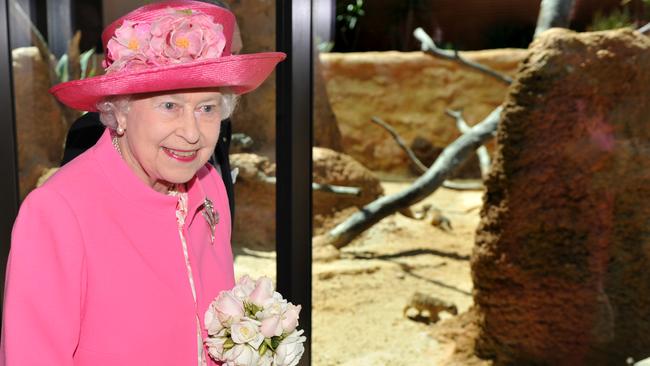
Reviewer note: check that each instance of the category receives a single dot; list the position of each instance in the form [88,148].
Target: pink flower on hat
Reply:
[130,40]
[178,37]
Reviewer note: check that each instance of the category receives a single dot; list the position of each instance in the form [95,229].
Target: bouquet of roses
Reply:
[252,325]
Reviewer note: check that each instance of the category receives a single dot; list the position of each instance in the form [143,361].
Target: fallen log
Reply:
[430,47]
[459,186]
[450,158]
[328,188]
[483,155]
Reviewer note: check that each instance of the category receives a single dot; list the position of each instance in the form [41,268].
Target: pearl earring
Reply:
[120,131]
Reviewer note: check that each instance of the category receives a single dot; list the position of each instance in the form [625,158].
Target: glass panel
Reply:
[253,150]
[456,272]
[42,122]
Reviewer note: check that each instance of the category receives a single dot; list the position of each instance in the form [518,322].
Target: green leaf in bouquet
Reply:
[263,348]
[251,309]
[228,344]
[275,342]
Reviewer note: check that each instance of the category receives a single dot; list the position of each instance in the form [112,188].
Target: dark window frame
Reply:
[293,141]
[8,163]
[294,91]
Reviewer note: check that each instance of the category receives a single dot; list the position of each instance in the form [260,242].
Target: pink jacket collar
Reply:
[137,192]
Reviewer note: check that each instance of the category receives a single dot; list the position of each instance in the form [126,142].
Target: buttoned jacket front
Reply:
[97,274]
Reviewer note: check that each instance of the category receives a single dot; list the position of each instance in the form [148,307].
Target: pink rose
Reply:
[290,318]
[271,326]
[185,41]
[213,37]
[228,308]
[133,62]
[263,291]
[244,287]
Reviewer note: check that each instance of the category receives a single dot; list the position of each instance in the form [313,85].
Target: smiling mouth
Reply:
[181,155]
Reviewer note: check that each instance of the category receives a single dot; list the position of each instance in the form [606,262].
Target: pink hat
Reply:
[172,45]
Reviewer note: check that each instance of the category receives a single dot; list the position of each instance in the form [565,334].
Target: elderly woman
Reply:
[115,259]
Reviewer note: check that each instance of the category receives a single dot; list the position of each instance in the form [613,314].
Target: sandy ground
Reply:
[358,300]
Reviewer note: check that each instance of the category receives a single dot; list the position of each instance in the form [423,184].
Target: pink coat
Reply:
[97,275]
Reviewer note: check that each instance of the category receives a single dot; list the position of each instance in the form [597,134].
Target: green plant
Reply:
[86,58]
[348,14]
[620,17]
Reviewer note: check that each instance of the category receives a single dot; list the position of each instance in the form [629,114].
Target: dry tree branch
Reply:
[463,127]
[553,13]
[459,186]
[645,29]
[421,167]
[328,188]
[74,66]
[430,47]
[450,158]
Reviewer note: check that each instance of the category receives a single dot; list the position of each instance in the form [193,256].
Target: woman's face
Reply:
[169,137]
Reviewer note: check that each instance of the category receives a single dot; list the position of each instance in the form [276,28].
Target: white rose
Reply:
[272,307]
[215,347]
[271,326]
[266,360]
[244,287]
[241,355]
[247,331]
[212,323]
[290,349]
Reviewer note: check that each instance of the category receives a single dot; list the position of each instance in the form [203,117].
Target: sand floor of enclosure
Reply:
[358,300]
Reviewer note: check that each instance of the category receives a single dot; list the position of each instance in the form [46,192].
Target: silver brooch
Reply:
[211,216]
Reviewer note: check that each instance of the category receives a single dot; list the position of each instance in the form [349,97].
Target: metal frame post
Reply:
[294,158]
[8,163]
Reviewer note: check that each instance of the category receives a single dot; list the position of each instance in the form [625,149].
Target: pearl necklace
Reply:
[171,189]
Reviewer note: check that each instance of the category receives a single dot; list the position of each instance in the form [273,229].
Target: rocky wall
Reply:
[560,266]
[411,92]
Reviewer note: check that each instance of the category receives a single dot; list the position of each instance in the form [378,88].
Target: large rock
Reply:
[411,92]
[334,168]
[255,195]
[254,202]
[562,252]
[40,124]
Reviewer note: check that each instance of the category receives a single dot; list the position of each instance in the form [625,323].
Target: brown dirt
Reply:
[358,300]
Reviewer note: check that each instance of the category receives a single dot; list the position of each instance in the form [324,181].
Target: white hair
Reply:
[111,105]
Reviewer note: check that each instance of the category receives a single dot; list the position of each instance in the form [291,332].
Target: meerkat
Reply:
[428,308]
[434,216]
